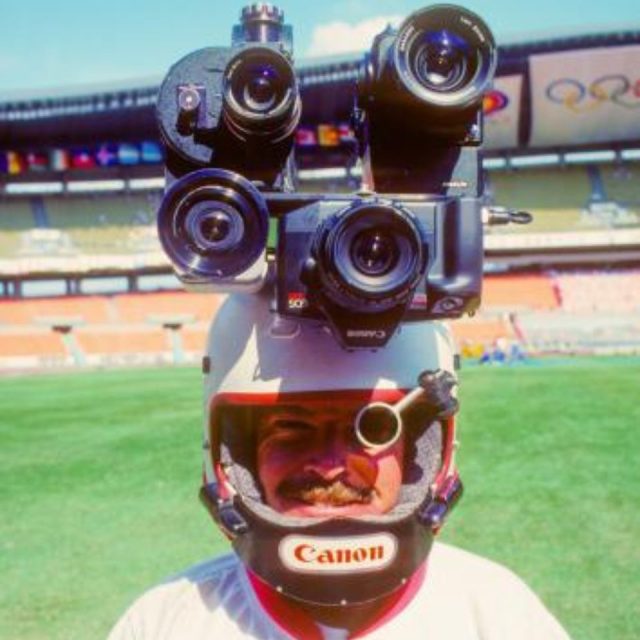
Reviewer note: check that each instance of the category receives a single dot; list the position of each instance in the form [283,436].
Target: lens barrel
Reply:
[261,97]
[370,256]
[213,225]
[445,56]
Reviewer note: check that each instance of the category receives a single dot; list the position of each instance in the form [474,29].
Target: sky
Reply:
[62,43]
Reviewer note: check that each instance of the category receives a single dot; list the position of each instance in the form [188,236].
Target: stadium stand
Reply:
[584,291]
[15,219]
[555,196]
[583,189]
[100,223]
[141,307]
[121,340]
[34,343]
[570,312]
[621,183]
[89,309]
[520,291]
[165,327]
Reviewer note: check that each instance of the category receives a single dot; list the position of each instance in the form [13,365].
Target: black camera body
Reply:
[235,107]
[406,248]
[433,70]
[367,263]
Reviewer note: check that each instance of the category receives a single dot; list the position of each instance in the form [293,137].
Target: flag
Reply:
[16,163]
[345,133]
[82,158]
[107,155]
[37,161]
[150,152]
[128,154]
[59,159]
[306,137]
[328,135]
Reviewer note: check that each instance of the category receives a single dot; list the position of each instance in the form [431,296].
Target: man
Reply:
[331,471]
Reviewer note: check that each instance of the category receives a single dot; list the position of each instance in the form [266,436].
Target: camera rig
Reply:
[408,248]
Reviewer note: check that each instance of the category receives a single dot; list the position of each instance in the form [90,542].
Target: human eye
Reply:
[284,430]
[291,430]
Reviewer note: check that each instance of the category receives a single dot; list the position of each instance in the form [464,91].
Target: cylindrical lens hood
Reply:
[343,273]
[213,225]
[261,97]
[464,47]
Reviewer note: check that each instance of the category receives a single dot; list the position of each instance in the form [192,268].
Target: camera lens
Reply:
[445,56]
[261,94]
[213,224]
[218,228]
[440,61]
[261,89]
[370,256]
[374,252]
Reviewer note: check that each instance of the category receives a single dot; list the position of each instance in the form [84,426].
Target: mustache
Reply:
[313,489]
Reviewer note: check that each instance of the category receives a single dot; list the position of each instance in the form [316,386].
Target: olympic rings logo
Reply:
[494,101]
[577,97]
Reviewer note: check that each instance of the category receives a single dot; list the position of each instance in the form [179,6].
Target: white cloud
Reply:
[342,37]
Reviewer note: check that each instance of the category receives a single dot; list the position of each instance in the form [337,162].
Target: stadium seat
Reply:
[139,308]
[122,340]
[90,309]
[513,292]
[555,196]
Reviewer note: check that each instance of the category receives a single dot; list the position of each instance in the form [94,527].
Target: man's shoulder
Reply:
[501,603]
[464,571]
[456,561]
[213,570]
[206,582]
[208,595]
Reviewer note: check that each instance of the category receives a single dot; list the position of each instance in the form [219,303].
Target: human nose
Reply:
[329,457]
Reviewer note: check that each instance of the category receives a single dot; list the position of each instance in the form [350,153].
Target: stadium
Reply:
[89,297]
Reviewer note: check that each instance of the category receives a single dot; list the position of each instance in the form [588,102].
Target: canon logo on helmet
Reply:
[305,554]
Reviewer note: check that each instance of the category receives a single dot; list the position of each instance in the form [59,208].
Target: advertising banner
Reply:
[502,113]
[587,96]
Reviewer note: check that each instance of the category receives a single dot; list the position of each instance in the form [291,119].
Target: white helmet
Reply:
[254,358]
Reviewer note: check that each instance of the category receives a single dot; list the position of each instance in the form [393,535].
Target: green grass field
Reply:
[100,472]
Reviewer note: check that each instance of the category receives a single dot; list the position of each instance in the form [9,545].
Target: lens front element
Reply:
[445,56]
[370,256]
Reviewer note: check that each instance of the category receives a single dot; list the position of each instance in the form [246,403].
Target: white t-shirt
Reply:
[463,597]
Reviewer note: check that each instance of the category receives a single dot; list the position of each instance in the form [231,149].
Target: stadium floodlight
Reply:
[537,160]
[329,173]
[494,163]
[589,157]
[33,188]
[92,186]
[146,184]
[630,154]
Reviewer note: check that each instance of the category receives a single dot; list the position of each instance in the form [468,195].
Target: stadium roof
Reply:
[80,90]
[530,42]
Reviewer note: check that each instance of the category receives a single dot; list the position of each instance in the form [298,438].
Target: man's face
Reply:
[310,463]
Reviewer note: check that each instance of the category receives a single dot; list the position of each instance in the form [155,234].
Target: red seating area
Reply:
[128,328]
[104,329]
[139,307]
[153,340]
[42,344]
[90,309]
[582,291]
[531,291]
[480,330]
